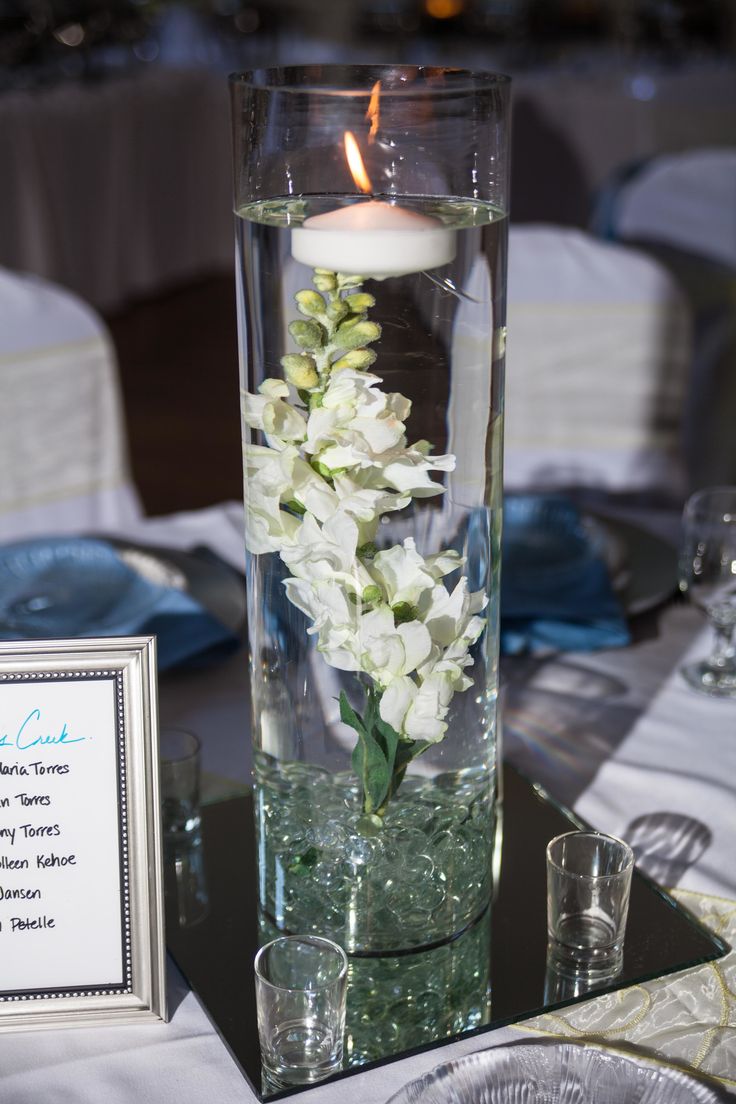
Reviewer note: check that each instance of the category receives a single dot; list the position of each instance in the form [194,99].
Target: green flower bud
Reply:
[359,359]
[403,612]
[308,335]
[372,594]
[337,310]
[310,302]
[345,280]
[360,302]
[300,370]
[348,324]
[368,550]
[352,337]
[324,280]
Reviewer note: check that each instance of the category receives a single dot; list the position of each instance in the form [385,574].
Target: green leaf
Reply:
[409,750]
[390,738]
[369,760]
[371,710]
[348,715]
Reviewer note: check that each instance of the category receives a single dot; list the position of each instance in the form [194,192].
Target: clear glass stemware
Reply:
[708,577]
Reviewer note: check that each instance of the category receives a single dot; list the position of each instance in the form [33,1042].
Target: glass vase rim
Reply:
[266,79]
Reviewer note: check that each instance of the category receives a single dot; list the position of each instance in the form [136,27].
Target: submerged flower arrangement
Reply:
[337,459]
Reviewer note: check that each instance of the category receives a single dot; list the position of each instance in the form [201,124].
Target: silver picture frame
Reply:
[128,664]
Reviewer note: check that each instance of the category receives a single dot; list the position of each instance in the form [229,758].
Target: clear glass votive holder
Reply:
[588,884]
[179,752]
[301,983]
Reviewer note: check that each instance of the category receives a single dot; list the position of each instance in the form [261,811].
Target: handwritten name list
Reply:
[61,912]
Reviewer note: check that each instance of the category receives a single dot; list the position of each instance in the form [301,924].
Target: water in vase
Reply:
[372,414]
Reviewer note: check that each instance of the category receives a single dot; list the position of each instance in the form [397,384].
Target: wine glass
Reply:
[708,576]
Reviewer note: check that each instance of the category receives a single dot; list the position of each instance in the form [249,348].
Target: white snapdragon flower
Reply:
[316,495]
[274,478]
[417,707]
[327,553]
[355,419]
[405,575]
[270,412]
[447,614]
[335,619]
[365,506]
[409,471]
[417,710]
[268,482]
[425,717]
[389,651]
[405,470]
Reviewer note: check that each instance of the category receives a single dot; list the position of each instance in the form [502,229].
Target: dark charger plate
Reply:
[216,953]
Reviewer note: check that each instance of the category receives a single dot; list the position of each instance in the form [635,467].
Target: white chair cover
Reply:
[63,453]
[686,200]
[598,359]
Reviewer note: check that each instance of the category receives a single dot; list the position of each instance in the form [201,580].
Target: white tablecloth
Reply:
[622,738]
[119,188]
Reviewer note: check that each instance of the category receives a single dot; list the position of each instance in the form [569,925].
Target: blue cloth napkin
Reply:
[76,587]
[555,589]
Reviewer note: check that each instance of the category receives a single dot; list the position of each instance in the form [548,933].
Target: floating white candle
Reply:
[373,237]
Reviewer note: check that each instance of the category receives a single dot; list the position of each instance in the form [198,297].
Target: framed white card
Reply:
[81,899]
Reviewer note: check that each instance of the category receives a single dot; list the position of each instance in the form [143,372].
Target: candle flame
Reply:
[355,163]
[373,114]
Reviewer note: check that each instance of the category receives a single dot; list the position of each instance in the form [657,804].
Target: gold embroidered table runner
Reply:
[686,1019]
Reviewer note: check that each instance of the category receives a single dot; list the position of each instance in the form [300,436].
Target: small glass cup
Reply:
[179,752]
[301,984]
[588,884]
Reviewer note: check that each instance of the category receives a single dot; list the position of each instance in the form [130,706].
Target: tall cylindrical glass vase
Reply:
[371,237]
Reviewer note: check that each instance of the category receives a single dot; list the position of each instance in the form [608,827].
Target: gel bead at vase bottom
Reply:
[418,882]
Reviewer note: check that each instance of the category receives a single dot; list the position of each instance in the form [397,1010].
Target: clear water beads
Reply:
[419,881]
